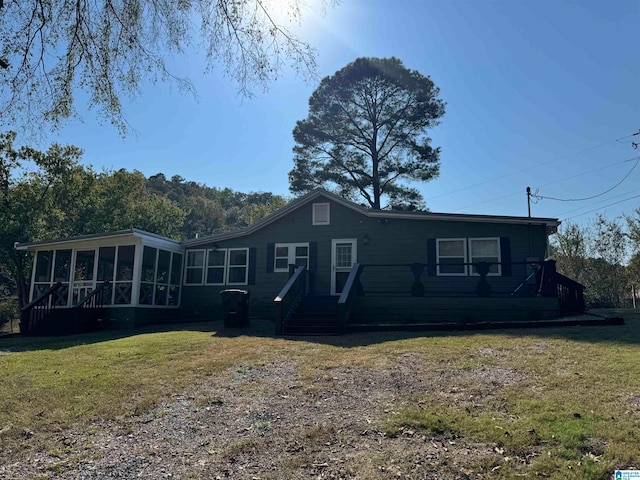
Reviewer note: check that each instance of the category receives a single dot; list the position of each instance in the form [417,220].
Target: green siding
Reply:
[390,241]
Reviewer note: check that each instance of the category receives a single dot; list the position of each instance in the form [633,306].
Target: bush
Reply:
[8,310]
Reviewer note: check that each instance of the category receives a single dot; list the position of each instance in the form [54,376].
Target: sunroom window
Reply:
[160,277]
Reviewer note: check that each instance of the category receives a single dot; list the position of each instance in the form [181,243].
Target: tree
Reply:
[570,247]
[27,178]
[51,49]
[366,131]
[595,255]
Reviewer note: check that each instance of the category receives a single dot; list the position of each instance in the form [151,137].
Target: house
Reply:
[319,264]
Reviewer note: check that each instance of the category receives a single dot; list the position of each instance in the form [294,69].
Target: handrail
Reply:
[290,296]
[526,281]
[36,311]
[347,297]
[348,286]
[289,285]
[88,299]
[46,293]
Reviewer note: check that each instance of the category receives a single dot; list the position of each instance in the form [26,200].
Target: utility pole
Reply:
[529,201]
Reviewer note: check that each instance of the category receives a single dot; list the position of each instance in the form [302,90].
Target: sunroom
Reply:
[137,275]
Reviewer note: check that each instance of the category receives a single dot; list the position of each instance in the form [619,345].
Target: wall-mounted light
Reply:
[366,239]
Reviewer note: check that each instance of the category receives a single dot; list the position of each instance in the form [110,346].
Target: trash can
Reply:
[235,305]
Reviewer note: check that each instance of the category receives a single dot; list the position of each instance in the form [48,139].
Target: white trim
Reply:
[187,267]
[223,266]
[438,257]
[317,211]
[497,240]
[291,254]
[354,258]
[205,267]
[229,266]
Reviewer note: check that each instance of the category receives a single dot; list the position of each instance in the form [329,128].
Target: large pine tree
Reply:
[367,131]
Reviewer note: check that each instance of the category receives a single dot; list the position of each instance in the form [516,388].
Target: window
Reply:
[290,254]
[485,250]
[220,266]
[216,266]
[238,269]
[174,281]
[194,271]
[451,256]
[320,214]
[124,275]
[160,269]
[147,275]
[52,266]
[42,278]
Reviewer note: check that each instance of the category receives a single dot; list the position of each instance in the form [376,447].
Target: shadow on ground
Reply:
[629,333]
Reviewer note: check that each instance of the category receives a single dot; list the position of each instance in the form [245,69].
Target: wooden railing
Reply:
[477,281]
[570,295]
[351,289]
[95,298]
[87,313]
[290,297]
[34,314]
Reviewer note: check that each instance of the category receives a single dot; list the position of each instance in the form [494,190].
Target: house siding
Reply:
[392,241]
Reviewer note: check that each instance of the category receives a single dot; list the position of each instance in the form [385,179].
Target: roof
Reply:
[550,223]
[131,232]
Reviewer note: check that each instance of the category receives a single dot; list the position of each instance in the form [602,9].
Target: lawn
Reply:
[197,402]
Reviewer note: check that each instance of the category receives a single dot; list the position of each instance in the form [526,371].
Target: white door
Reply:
[84,278]
[343,256]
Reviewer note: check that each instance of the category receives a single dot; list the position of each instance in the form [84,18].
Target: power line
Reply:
[542,197]
[600,201]
[549,183]
[617,140]
[606,206]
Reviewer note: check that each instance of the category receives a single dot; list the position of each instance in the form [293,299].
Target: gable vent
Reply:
[320,214]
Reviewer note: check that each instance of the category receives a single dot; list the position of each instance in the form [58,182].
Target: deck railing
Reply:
[532,278]
[95,298]
[350,290]
[422,279]
[290,297]
[87,312]
[570,295]
[35,313]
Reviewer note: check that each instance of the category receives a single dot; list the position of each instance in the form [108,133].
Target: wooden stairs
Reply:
[316,315]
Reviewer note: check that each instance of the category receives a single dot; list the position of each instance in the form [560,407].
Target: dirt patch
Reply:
[272,421]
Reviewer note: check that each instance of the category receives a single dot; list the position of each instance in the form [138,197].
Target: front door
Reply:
[83,275]
[343,256]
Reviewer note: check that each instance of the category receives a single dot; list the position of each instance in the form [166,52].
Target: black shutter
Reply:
[431,257]
[271,253]
[252,266]
[505,256]
[313,256]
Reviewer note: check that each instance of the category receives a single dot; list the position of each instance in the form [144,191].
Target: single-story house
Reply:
[319,264]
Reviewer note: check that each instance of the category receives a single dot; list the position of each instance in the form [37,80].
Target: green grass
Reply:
[571,410]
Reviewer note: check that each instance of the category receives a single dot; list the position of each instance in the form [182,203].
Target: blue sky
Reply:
[536,92]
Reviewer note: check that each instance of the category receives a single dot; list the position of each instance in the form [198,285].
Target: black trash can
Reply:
[235,305]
